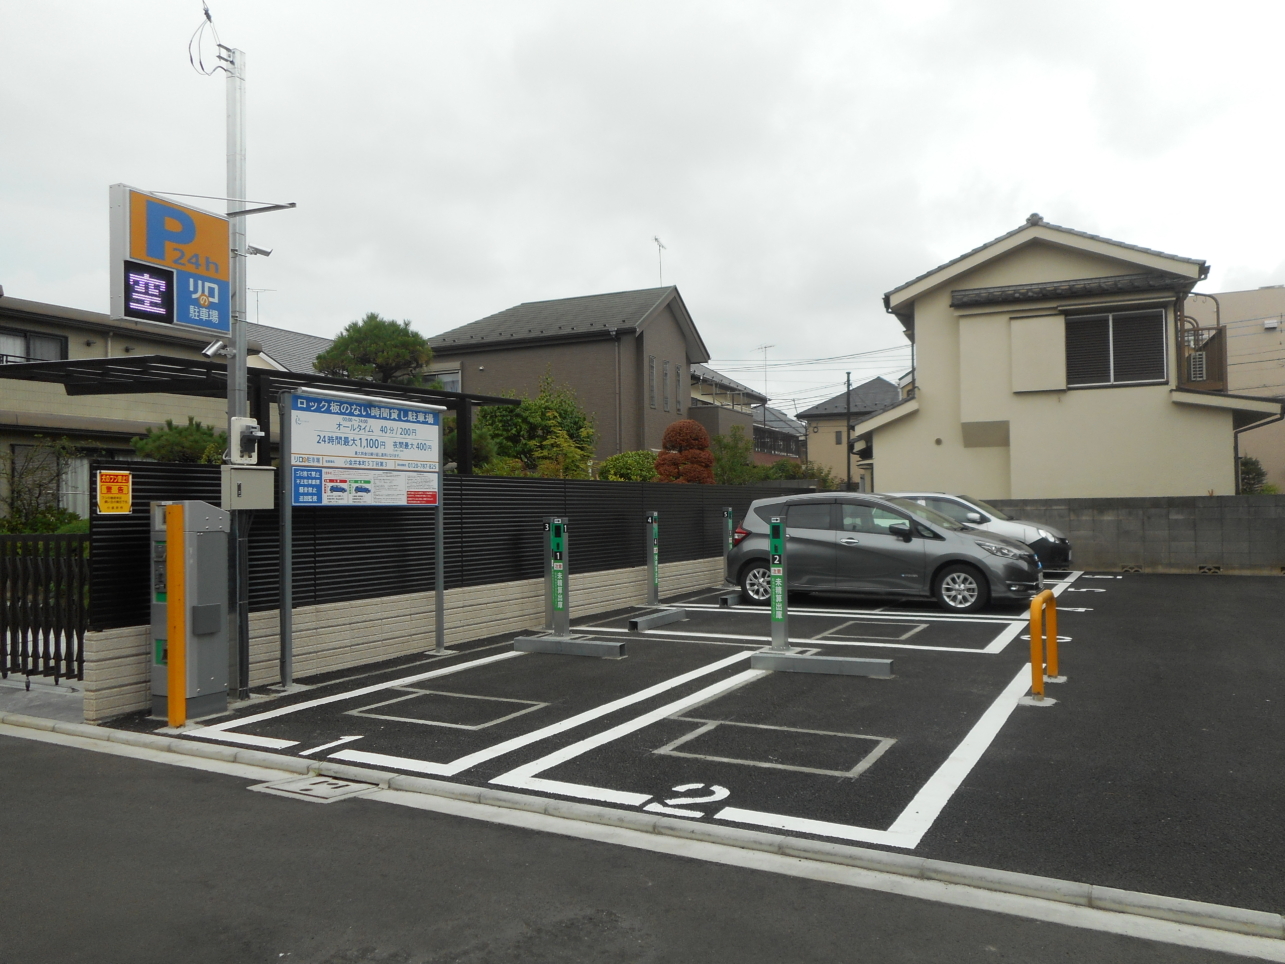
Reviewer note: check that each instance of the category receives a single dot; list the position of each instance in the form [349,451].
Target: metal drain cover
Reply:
[317,789]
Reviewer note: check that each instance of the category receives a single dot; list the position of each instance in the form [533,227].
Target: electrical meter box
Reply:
[189,584]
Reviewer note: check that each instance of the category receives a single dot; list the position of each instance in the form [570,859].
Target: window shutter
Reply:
[1138,343]
[1088,350]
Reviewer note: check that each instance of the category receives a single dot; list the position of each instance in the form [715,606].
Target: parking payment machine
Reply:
[189,610]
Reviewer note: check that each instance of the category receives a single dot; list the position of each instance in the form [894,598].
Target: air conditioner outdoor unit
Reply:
[1196,366]
[1271,324]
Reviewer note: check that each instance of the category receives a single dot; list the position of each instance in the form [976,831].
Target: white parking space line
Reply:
[526,776]
[875,615]
[1006,636]
[906,831]
[508,746]
[219,731]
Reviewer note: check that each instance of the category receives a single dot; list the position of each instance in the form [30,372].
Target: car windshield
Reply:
[927,514]
[986,508]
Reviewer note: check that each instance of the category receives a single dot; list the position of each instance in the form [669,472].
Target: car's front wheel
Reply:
[961,588]
[756,583]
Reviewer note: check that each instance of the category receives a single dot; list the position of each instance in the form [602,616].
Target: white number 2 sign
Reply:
[674,805]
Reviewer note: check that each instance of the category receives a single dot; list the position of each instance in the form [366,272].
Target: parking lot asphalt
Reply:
[1158,768]
[113,860]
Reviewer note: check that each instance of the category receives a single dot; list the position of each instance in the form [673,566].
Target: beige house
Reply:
[1051,363]
[829,428]
[1254,322]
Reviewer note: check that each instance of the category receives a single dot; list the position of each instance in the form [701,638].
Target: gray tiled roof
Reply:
[1035,221]
[707,374]
[1081,287]
[293,349]
[779,421]
[533,320]
[871,396]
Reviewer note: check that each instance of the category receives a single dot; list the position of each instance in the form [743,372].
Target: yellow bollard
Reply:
[176,616]
[1043,640]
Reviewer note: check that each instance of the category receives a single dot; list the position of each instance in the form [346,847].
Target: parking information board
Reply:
[170,262]
[363,452]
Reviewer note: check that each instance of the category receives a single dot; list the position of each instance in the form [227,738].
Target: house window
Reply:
[838,437]
[678,389]
[665,383]
[24,346]
[1120,348]
[450,380]
[651,380]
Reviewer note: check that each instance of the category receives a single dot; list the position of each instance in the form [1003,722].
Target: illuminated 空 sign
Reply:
[170,262]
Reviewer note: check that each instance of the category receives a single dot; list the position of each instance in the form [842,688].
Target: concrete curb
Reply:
[1196,913]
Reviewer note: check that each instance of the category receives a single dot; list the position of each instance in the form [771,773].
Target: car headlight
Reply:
[1045,534]
[1004,551]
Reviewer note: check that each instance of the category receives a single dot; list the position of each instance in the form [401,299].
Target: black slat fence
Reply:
[493,534]
[44,583]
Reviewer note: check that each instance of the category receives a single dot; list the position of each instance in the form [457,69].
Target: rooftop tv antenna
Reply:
[660,264]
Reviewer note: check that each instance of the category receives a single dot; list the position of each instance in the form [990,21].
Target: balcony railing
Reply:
[1202,357]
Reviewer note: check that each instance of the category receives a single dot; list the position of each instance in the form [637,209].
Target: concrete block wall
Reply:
[1233,533]
[336,636]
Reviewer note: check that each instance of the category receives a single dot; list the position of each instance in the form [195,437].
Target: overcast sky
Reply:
[797,159]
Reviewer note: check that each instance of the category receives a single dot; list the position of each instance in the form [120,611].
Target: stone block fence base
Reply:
[336,636]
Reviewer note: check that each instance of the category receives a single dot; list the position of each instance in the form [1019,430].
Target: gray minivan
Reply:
[846,542]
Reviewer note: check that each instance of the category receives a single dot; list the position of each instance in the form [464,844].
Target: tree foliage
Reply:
[734,464]
[192,442]
[685,455]
[483,444]
[733,457]
[379,350]
[549,435]
[1252,475]
[35,472]
[637,466]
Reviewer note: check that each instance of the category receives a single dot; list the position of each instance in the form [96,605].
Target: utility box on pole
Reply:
[189,583]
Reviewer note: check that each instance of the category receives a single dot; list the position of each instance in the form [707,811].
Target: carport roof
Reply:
[143,374]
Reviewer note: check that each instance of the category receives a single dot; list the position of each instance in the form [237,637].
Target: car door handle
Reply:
[850,541]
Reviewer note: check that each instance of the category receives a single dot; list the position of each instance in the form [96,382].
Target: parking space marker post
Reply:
[778,580]
[651,539]
[728,534]
[559,590]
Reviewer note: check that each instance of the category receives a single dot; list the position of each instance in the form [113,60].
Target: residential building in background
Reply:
[1254,322]
[627,355]
[827,429]
[719,402]
[100,426]
[1051,363]
[778,436]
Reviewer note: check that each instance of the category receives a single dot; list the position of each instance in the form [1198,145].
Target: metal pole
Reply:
[560,559]
[651,539]
[779,581]
[286,517]
[439,567]
[238,581]
[847,427]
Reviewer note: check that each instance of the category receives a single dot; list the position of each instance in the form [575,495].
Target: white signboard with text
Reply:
[363,452]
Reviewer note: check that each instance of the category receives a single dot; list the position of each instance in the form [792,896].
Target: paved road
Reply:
[109,859]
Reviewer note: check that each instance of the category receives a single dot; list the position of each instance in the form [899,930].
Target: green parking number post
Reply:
[651,539]
[556,559]
[778,582]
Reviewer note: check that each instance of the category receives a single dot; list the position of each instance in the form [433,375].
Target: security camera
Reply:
[251,249]
[213,348]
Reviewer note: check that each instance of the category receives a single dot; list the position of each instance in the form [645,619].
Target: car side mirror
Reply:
[900,530]
[974,517]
